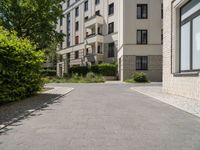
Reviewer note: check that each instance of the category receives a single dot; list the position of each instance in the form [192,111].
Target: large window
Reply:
[111,9]
[142,36]
[111,50]
[142,11]
[77,11]
[86,6]
[110,27]
[141,63]
[190,36]
[97,2]
[77,26]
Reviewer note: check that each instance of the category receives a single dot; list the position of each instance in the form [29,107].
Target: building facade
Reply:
[127,32]
[140,38]
[181,49]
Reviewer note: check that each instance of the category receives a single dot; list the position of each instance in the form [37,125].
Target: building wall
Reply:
[81,47]
[184,85]
[128,47]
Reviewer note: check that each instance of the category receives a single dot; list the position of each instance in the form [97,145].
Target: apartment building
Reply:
[181,49]
[127,32]
[140,38]
[91,28]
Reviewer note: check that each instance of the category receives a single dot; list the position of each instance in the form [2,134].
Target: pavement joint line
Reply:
[159,99]
[29,112]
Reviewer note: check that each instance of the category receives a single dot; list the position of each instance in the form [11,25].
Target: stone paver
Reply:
[190,105]
[104,117]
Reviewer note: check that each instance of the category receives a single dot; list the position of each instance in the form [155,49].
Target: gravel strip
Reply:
[189,105]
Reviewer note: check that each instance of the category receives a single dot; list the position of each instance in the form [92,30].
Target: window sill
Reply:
[186,74]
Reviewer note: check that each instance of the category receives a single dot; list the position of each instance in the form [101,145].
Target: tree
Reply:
[33,19]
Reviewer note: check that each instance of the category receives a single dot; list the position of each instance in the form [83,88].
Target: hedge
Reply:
[48,72]
[108,69]
[103,69]
[20,66]
[80,70]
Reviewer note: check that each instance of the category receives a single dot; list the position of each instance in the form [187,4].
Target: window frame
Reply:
[86,3]
[109,27]
[111,54]
[76,11]
[97,2]
[182,23]
[76,55]
[142,66]
[142,43]
[109,8]
[141,11]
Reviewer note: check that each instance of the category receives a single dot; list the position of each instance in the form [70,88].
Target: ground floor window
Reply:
[141,62]
[76,54]
[190,36]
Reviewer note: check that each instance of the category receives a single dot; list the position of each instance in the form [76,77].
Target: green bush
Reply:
[95,69]
[20,66]
[140,77]
[80,70]
[108,69]
[48,72]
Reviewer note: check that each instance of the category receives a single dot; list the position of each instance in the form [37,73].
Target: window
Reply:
[98,13]
[86,18]
[68,30]
[77,40]
[76,54]
[86,6]
[68,57]
[190,36]
[68,3]
[61,21]
[97,2]
[162,11]
[61,43]
[77,11]
[111,27]
[161,36]
[141,63]
[111,9]
[142,11]
[111,50]
[77,26]
[99,49]
[142,36]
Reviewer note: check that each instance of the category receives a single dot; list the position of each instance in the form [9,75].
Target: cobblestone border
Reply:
[188,105]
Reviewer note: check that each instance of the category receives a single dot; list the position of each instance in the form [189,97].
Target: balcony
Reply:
[93,38]
[94,20]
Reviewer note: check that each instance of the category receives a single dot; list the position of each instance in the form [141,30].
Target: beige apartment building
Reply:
[181,49]
[127,32]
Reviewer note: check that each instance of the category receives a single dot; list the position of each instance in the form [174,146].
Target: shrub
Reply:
[80,70]
[108,69]
[140,77]
[95,69]
[90,75]
[20,66]
[48,72]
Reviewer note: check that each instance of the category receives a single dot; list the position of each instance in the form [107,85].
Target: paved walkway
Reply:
[189,105]
[104,117]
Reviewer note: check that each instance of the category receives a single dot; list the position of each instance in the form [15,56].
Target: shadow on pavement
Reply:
[16,111]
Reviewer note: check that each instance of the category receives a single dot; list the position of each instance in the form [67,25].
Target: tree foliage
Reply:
[32,19]
[20,66]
